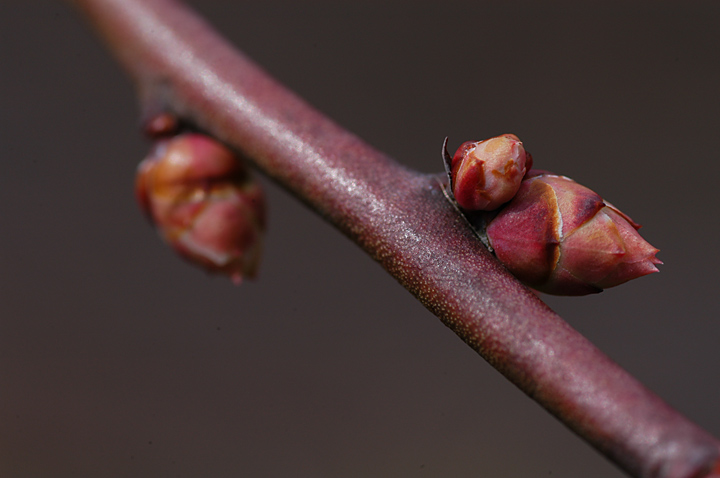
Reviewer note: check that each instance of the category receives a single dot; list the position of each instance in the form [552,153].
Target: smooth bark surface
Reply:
[403,220]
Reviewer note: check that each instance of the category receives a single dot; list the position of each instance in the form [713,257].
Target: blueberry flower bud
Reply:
[561,238]
[487,174]
[204,204]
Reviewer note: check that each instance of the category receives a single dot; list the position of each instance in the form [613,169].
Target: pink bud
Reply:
[204,204]
[487,174]
[561,238]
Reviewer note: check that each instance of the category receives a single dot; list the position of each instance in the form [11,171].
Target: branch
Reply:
[402,219]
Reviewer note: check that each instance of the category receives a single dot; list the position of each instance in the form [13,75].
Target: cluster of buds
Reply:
[204,203]
[553,234]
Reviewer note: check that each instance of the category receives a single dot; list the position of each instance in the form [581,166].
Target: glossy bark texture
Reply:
[405,222]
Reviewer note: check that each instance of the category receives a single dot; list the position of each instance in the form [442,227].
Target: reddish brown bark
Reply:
[402,219]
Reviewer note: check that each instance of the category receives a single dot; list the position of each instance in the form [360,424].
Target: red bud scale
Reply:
[552,233]
[204,204]
[487,174]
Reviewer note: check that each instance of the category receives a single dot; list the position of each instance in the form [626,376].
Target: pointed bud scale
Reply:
[204,204]
[561,238]
[487,174]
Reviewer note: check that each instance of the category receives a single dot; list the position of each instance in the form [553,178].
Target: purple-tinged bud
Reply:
[204,204]
[561,238]
[487,174]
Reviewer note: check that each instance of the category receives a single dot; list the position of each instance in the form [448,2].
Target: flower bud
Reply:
[204,204]
[561,238]
[487,174]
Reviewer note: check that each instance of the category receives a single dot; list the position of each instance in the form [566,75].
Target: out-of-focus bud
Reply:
[561,238]
[487,174]
[161,125]
[204,204]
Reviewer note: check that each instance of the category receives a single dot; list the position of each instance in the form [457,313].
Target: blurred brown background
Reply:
[117,359]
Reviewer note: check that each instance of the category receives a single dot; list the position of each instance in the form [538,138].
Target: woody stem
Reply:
[402,219]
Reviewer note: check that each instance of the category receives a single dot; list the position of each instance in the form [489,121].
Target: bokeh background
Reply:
[117,359]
